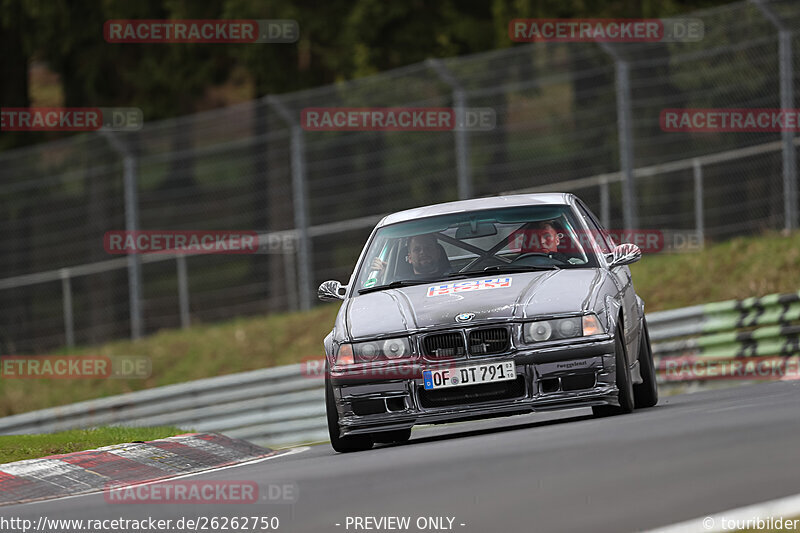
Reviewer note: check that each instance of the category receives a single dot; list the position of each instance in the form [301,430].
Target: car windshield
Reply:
[510,239]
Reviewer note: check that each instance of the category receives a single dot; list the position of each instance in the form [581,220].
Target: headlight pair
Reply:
[561,328]
[367,352]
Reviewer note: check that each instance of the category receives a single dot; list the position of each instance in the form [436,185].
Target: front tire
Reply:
[625,395]
[645,394]
[354,443]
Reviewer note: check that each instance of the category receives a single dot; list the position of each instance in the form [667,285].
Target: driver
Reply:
[424,255]
[545,240]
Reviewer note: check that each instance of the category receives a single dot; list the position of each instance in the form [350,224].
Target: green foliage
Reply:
[19,447]
[340,39]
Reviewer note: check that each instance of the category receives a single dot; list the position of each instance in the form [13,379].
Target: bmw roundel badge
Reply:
[465,317]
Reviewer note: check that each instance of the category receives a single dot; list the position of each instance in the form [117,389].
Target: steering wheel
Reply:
[538,254]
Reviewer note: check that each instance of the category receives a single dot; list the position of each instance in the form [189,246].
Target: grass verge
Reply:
[743,267]
[735,269]
[19,447]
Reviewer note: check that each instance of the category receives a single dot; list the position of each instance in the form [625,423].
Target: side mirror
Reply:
[624,254]
[331,291]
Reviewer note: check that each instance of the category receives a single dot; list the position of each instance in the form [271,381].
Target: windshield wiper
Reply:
[511,268]
[500,269]
[456,275]
[394,285]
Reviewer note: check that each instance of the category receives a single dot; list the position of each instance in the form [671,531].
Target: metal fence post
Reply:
[787,103]
[698,202]
[69,323]
[605,203]
[624,132]
[299,199]
[291,281]
[461,140]
[130,179]
[183,291]
[789,154]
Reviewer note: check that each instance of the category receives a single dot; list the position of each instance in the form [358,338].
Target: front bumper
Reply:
[559,377]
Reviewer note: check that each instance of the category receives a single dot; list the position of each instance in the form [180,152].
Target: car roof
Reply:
[476,204]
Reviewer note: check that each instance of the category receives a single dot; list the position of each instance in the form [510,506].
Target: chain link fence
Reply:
[576,117]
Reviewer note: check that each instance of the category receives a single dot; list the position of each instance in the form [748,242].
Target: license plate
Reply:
[469,375]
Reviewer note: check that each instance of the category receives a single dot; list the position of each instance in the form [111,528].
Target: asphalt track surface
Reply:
[690,456]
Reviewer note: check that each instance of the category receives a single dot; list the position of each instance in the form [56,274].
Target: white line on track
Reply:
[786,508]
[282,453]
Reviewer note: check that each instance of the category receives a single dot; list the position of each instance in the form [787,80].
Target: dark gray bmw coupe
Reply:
[482,308]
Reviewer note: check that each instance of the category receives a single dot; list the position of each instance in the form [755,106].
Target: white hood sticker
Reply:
[472,285]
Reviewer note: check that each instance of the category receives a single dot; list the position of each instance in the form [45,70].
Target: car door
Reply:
[624,282]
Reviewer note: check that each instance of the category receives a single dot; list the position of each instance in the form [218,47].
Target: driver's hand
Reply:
[377,264]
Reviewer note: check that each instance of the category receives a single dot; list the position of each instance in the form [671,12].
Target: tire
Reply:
[625,395]
[355,443]
[388,437]
[645,394]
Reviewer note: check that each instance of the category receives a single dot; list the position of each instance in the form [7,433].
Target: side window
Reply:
[601,236]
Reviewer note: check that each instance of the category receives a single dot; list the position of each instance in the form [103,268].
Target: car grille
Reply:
[485,392]
[444,345]
[488,341]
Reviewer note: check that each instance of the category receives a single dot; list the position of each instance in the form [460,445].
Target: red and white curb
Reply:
[137,462]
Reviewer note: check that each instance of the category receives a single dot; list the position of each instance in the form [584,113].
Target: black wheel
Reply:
[625,396]
[645,394]
[355,443]
[388,437]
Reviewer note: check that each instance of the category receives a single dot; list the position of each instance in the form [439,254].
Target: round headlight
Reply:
[540,331]
[394,348]
[568,328]
[369,351]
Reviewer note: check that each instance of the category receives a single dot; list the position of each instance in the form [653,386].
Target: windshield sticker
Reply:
[370,283]
[473,285]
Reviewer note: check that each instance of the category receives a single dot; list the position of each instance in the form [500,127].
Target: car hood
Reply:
[492,298]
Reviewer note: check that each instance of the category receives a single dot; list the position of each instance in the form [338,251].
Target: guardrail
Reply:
[271,406]
[699,341]
[286,405]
